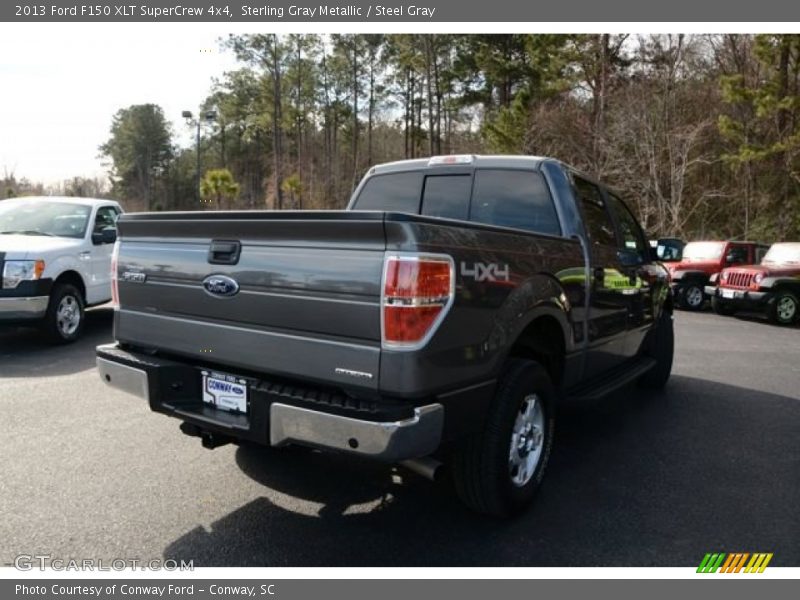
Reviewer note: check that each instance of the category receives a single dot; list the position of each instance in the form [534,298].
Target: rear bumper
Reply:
[278,414]
[742,299]
[23,308]
[414,437]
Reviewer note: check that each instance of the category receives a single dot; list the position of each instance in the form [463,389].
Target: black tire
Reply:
[661,347]
[692,297]
[54,325]
[482,472]
[721,307]
[785,309]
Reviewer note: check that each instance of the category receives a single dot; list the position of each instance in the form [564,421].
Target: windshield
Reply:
[39,217]
[782,254]
[703,250]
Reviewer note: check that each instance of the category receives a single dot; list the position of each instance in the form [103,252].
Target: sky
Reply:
[60,87]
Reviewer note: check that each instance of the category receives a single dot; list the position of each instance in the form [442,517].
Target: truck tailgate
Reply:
[308,300]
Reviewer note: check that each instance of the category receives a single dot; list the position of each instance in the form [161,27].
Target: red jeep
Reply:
[701,261]
[773,287]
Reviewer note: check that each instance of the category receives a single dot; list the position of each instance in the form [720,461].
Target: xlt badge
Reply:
[133,277]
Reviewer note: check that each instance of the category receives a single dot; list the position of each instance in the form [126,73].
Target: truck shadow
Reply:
[25,352]
[640,479]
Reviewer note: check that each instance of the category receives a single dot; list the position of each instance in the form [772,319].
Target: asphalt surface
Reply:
[639,479]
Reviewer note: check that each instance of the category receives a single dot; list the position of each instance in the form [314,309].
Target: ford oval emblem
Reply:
[221,286]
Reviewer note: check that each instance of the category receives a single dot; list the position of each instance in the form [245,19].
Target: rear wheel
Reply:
[63,322]
[692,297]
[498,471]
[721,307]
[784,310]
[661,347]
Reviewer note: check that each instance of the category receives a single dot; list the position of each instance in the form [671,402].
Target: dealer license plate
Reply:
[226,392]
[728,294]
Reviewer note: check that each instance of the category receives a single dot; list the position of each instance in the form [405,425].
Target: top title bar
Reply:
[465,11]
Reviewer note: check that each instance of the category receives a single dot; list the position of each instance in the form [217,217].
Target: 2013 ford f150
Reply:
[55,257]
[437,320]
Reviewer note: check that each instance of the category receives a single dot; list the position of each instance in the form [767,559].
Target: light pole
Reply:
[206,116]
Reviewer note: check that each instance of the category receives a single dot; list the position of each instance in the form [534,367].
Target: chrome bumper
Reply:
[391,441]
[20,309]
[124,378]
[415,437]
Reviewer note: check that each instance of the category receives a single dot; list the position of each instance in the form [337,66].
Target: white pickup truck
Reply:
[55,260]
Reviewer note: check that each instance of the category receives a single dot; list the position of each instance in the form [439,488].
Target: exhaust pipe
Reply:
[426,466]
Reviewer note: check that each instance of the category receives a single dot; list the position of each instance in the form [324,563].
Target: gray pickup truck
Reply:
[437,321]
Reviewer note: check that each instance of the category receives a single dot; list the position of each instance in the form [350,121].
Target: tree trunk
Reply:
[277,150]
[429,86]
[355,112]
[371,111]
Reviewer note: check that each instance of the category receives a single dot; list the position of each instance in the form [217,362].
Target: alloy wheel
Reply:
[527,441]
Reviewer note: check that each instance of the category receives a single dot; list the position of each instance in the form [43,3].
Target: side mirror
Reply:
[106,236]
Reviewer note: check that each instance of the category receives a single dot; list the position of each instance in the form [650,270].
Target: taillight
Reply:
[114,277]
[417,292]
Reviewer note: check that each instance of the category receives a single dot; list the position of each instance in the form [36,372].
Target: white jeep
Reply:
[55,260]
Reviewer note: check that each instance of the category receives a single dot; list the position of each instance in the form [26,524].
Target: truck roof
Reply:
[474,160]
[70,199]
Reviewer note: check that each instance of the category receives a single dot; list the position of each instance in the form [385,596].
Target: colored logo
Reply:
[220,285]
[739,562]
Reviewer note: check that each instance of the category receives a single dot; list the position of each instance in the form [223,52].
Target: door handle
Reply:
[222,252]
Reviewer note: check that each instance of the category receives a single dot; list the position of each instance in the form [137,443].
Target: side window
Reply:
[447,196]
[106,218]
[518,199]
[398,192]
[596,218]
[629,231]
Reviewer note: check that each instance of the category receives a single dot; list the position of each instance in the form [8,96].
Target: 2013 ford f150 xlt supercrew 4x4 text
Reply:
[435,321]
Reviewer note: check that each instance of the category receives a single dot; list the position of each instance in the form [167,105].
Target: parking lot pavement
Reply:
[641,479]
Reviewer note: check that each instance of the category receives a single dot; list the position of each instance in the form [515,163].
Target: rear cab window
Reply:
[514,198]
[392,192]
[447,196]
